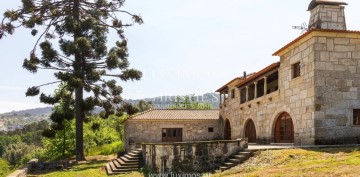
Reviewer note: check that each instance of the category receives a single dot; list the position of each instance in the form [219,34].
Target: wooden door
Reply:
[172,135]
[284,129]
[250,131]
[227,130]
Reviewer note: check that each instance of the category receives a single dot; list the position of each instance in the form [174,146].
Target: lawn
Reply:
[94,167]
[289,162]
[300,162]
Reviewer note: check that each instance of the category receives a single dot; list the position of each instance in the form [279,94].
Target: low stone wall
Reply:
[22,172]
[185,157]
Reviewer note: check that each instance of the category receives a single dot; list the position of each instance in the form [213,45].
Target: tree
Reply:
[82,61]
[188,102]
[144,105]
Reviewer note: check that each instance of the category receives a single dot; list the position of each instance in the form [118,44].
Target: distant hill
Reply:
[162,102]
[159,102]
[32,112]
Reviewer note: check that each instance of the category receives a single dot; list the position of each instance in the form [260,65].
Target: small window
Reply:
[233,93]
[211,129]
[296,70]
[356,117]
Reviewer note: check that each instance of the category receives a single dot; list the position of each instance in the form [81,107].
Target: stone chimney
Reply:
[327,14]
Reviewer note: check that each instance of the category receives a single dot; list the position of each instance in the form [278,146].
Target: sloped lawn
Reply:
[300,162]
[94,167]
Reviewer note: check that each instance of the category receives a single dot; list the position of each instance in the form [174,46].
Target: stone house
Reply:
[165,125]
[310,97]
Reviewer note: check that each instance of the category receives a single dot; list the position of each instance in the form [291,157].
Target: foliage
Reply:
[20,153]
[4,167]
[106,149]
[83,62]
[99,133]
[19,146]
[144,105]
[189,102]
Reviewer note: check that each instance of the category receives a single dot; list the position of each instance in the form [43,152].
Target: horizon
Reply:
[184,47]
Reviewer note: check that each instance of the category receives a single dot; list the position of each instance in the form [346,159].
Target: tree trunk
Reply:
[79,115]
[79,109]
[64,139]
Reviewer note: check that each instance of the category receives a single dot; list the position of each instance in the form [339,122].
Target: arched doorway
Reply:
[284,129]
[227,130]
[250,131]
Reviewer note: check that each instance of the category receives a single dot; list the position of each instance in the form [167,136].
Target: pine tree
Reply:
[83,61]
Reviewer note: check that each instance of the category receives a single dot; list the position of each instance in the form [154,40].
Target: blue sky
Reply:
[184,47]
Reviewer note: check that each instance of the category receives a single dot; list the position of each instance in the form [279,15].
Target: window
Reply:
[211,129]
[171,134]
[242,95]
[233,93]
[356,117]
[296,70]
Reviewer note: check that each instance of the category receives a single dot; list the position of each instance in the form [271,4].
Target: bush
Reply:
[4,167]
[107,149]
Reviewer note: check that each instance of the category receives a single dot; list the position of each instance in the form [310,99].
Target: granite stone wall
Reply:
[294,96]
[137,132]
[189,157]
[337,88]
[328,17]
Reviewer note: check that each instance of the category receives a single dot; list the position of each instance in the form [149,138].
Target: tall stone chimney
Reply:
[327,14]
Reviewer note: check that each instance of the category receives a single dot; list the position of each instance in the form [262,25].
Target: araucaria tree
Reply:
[80,58]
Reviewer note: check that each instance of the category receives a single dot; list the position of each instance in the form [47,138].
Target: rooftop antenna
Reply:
[303,27]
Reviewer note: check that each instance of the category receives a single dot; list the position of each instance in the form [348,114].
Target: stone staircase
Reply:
[127,163]
[236,159]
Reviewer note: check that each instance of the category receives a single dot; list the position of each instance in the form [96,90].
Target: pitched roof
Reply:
[315,3]
[176,114]
[308,33]
[237,79]
[258,74]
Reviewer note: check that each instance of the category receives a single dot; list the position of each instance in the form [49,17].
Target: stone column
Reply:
[221,98]
[265,86]
[247,93]
[255,90]
[239,95]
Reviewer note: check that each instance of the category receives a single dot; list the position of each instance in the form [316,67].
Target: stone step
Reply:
[245,153]
[240,157]
[229,164]
[129,157]
[234,161]
[126,160]
[223,168]
[136,151]
[108,169]
[134,154]
[116,170]
[126,165]
[122,163]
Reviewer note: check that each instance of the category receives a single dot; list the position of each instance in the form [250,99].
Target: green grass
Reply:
[107,149]
[94,167]
[300,162]
[289,162]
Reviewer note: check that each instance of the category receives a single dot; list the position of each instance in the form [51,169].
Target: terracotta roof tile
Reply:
[258,74]
[176,114]
[309,32]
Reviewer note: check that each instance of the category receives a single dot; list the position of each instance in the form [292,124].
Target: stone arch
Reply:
[250,131]
[227,130]
[273,120]
[221,126]
[284,129]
